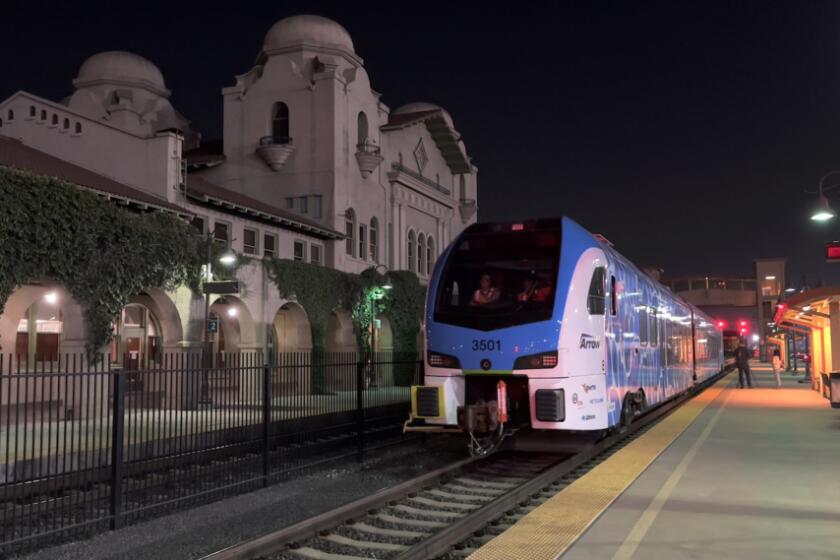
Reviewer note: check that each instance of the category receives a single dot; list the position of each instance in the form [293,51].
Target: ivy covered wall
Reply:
[320,290]
[52,231]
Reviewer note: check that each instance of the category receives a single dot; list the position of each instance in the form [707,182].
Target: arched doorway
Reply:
[292,331]
[137,342]
[340,335]
[383,341]
[38,326]
[292,338]
[40,330]
[341,352]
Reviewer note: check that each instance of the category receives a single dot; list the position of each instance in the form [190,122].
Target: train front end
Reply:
[497,357]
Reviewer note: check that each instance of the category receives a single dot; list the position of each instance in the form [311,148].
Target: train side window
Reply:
[643,326]
[654,328]
[596,303]
[613,297]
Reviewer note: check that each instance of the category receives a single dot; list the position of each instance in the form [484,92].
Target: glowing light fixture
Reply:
[232,312]
[822,212]
[51,298]
[790,290]
[770,277]
[756,338]
[806,308]
[228,258]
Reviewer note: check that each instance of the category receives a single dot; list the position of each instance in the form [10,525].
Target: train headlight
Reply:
[544,360]
[444,361]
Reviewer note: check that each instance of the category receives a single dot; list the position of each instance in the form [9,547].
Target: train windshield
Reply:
[498,280]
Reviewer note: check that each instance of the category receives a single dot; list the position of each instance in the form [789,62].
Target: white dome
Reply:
[121,66]
[307,29]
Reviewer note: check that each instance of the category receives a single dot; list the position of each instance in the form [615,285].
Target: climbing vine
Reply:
[52,231]
[321,290]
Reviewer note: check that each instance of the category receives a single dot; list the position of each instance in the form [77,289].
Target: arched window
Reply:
[280,124]
[78,128]
[10,115]
[43,114]
[462,187]
[349,230]
[411,266]
[361,129]
[430,255]
[66,124]
[421,254]
[1,123]
[54,119]
[374,240]
[32,110]
[400,158]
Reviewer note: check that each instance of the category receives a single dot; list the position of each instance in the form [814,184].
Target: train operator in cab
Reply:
[486,293]
[531,291]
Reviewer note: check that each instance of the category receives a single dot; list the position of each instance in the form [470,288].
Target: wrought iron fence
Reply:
[87,445]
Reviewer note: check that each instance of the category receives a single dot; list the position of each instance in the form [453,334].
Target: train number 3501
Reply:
[486,344]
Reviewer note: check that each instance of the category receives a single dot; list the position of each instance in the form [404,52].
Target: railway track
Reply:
[445,513]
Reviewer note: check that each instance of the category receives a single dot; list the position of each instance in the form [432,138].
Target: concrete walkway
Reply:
[755,476]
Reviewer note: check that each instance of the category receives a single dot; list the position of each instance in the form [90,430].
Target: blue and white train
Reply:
[543,325]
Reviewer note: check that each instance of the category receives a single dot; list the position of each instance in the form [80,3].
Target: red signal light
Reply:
[721,324]
[742,323]
[517,227]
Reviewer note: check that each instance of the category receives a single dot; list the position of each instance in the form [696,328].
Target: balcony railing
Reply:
[275,150]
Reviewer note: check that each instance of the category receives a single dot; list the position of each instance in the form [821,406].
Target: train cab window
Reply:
[613,297]
[596,302]
[499,279]
[643,326]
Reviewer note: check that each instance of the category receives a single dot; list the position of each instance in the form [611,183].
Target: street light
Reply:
[376,294]
[228,258]
[823,212]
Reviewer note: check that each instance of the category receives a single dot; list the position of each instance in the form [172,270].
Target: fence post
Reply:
[266,391]
[117,439]
[360,408]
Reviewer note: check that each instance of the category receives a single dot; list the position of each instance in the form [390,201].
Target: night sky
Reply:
[686,134]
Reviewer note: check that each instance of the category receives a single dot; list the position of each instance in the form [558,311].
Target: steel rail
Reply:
[462,529]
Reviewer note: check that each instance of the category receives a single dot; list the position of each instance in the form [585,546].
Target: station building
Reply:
[312,166]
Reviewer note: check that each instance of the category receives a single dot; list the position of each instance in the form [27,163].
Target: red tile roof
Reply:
[210,193]
[406,118]
[14,153]
[209,152]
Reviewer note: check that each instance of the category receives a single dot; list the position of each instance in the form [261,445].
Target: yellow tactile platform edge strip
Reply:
[549,530]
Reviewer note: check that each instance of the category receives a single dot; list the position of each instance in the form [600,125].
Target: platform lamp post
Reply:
[823,212]
[377,293]
[228,258]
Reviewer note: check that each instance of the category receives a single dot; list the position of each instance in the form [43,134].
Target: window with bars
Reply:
[430,256]
[374,240]
[300,251]
[362,241]
[221,232]
[269,245]
[410,242]
[350,232]
[316,206]
[249,241]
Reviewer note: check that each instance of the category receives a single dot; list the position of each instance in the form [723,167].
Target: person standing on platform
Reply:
[777,367]
[742,360]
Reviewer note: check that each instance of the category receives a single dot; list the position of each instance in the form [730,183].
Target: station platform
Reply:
[733,473]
